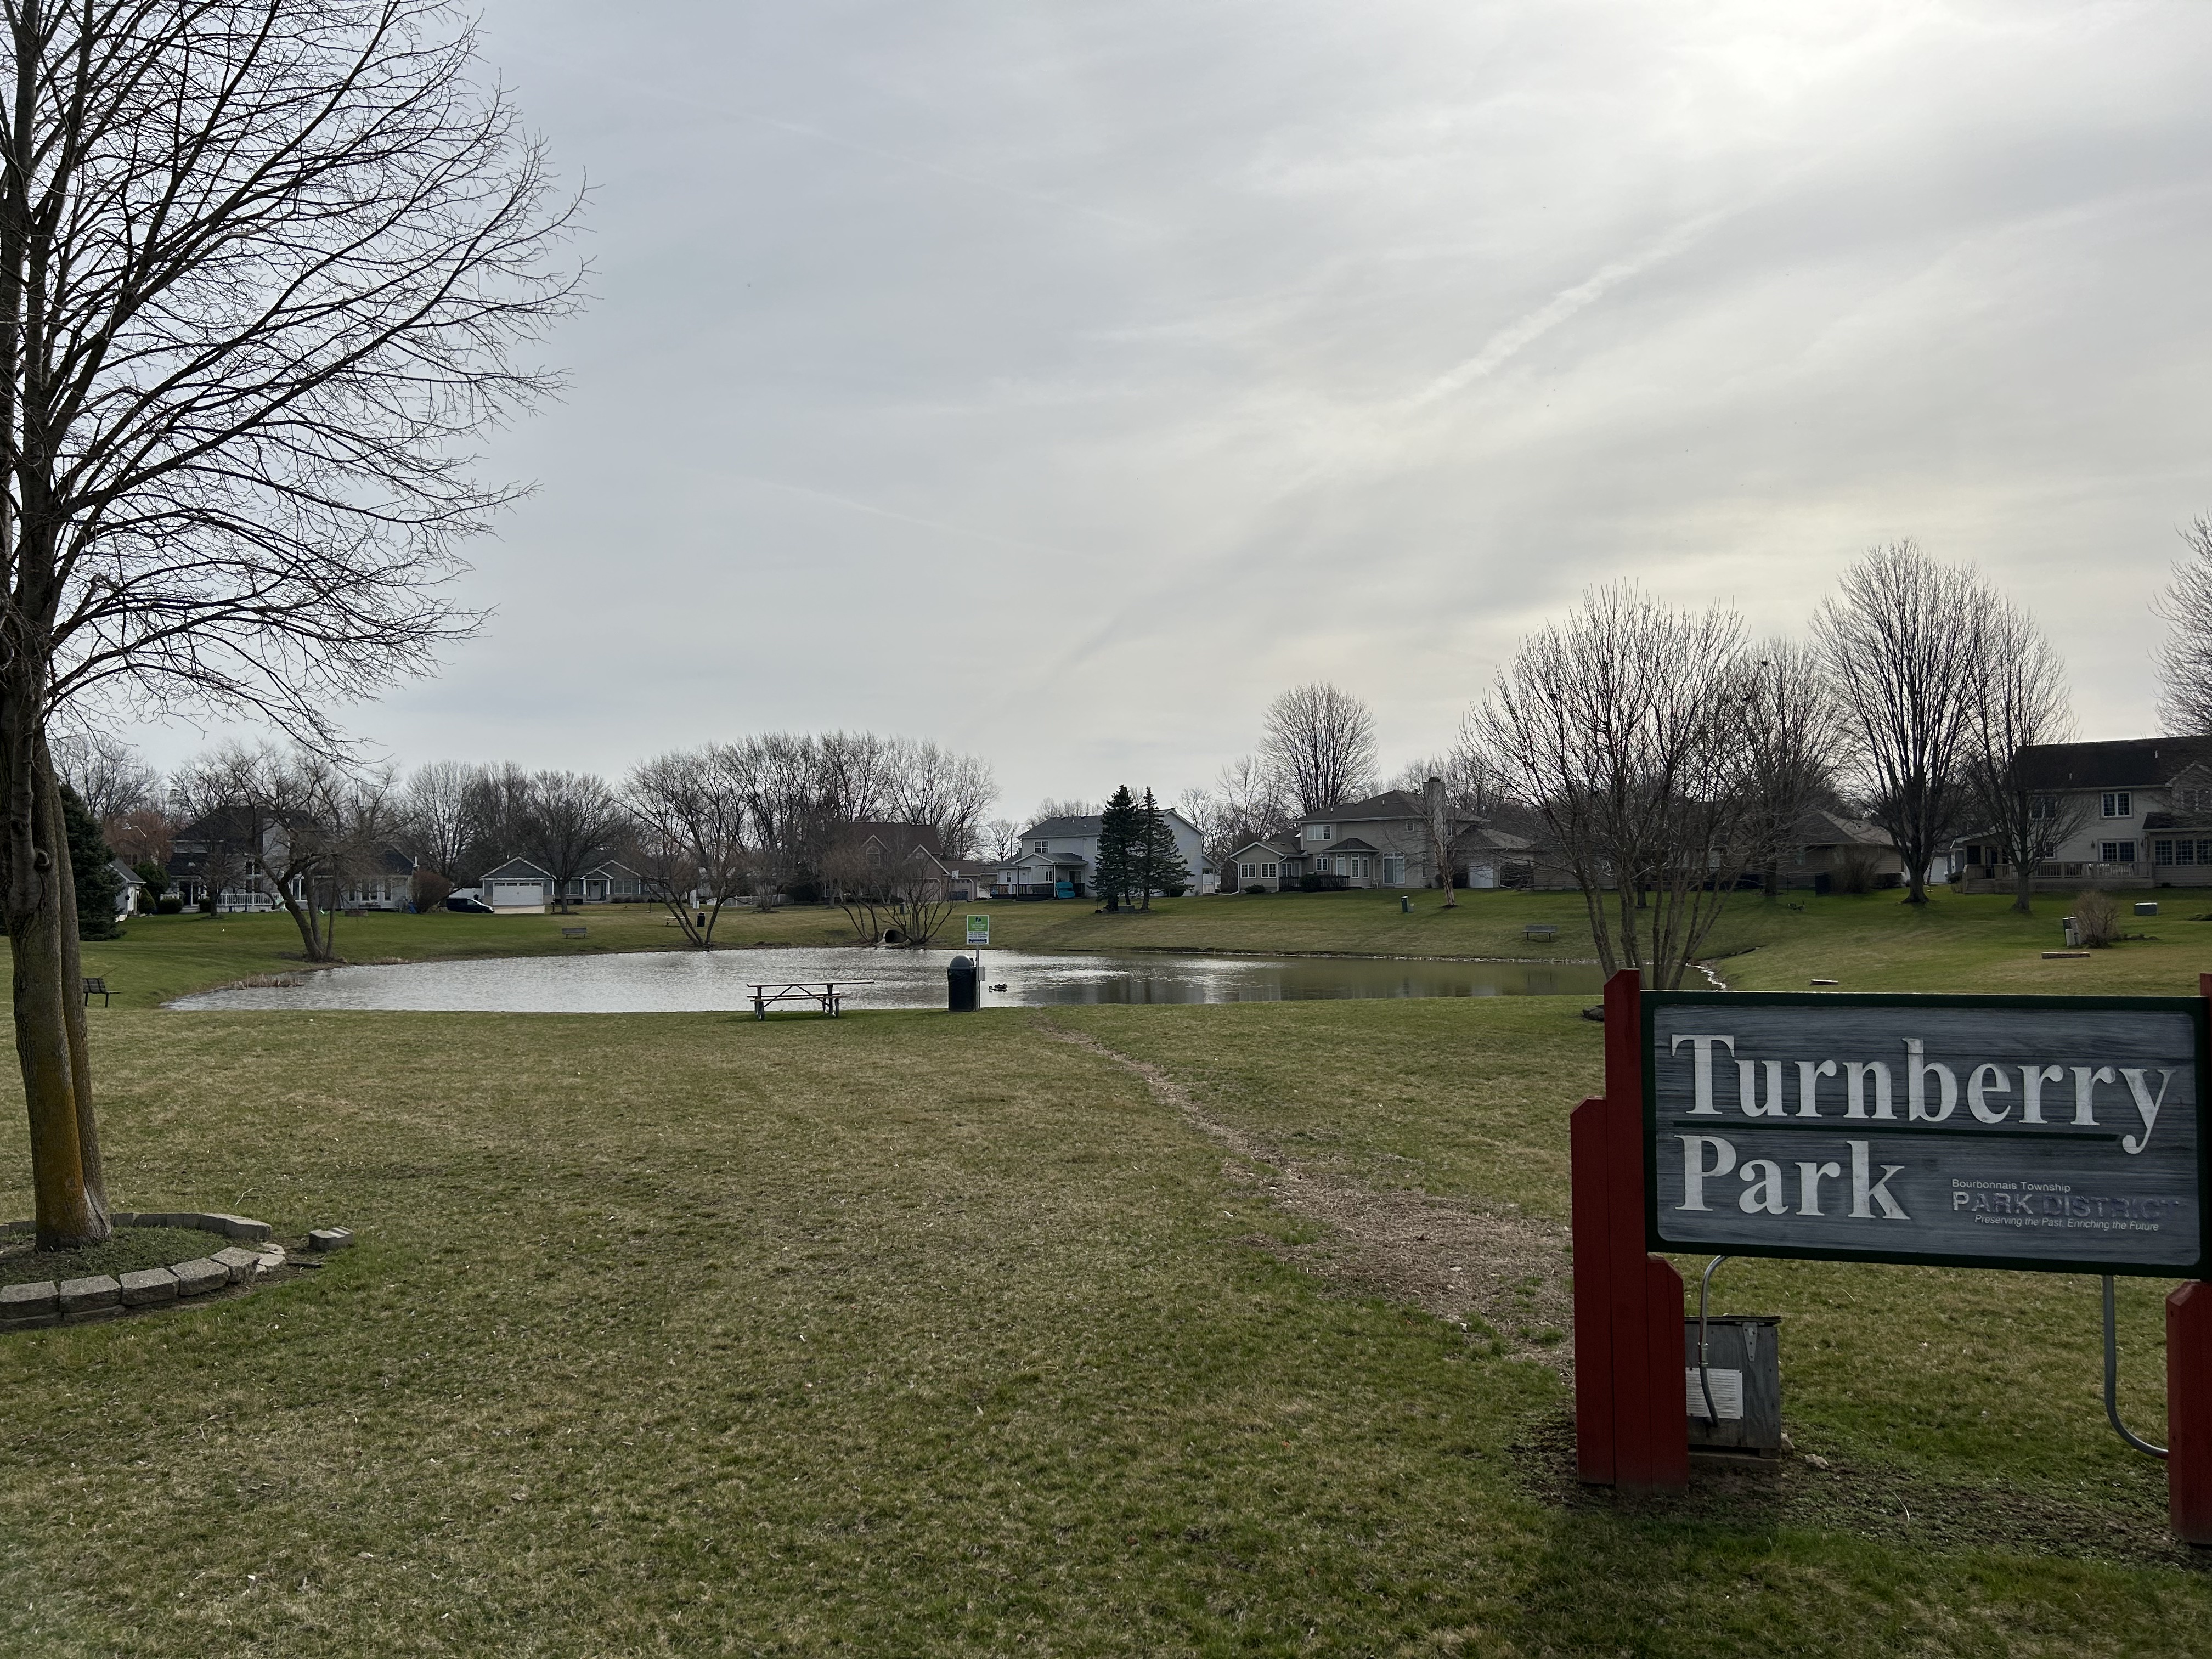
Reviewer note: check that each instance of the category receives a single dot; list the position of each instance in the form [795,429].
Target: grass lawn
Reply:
[905,1334]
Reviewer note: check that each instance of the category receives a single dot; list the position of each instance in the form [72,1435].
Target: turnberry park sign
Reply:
[2058,1133]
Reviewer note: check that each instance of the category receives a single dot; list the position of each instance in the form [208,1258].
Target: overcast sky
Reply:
[1063,382]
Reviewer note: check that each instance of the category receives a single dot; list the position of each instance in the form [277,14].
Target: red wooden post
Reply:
[1593,1243]
[2189,1413]
[2189,1397]
[1631,1429]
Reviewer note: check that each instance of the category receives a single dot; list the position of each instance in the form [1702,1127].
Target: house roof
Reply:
[1353,844]
[2127,763]
[1819,828]
[900,840]
[1390,803]
[1274,850]
[1049,828]
[1048,860]
[516,870]
[1482,838]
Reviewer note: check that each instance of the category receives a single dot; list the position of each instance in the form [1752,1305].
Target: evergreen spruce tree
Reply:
[94,867]
[1121,840]
[1160,867]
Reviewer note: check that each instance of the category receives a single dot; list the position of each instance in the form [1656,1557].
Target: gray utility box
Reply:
[1744,1361]
[2146,907]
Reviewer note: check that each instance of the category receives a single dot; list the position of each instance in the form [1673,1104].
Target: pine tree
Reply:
[1120,841]
[93,868]
[1160,862]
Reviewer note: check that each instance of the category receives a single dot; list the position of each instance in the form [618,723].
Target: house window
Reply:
[2043,808]
[1043,847]
[2116,852]
[1266,869]
[2162,851]
[1393,872]
[2116,804]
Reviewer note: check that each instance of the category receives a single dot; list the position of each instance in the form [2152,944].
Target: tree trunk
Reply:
[42,912]
[311,939]
[73,998]
[2023,876]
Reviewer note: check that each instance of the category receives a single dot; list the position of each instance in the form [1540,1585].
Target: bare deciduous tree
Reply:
[566,824]
[1623,725]
[1001,839]
[311,823]
[1904,646]
[2184,661]
[2020,701]
[1442,824]
[1473,784]
[1250,806]
[110,776]
[263,263]
[949,792]
[440,811]
[1319,745]
[1794,742]
[144,835]
[496,814]
[687,811]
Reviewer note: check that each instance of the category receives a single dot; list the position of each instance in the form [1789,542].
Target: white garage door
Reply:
[501,894]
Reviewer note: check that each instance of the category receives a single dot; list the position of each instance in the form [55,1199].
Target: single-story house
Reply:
[391,886]
[1829,849]
[610,883]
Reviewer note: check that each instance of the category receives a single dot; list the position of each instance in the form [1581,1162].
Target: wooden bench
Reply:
[573,933]
[1539,930]
[95,987]
[822,993]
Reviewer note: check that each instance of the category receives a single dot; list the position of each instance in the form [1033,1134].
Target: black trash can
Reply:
[960,985]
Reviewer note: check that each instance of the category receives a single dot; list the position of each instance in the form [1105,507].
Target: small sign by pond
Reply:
[979,930]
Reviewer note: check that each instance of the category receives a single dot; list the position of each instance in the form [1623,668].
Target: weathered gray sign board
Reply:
[2059,1134]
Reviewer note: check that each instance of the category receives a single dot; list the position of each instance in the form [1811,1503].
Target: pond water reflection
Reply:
[690,980]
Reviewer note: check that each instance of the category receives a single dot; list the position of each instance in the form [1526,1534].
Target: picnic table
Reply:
[824,994]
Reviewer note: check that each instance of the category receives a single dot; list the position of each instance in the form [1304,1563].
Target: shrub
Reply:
[2096,920]
[168,905]
[1254,887]
[1855,873]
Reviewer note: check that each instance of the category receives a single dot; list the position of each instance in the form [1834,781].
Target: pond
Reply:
[690,981]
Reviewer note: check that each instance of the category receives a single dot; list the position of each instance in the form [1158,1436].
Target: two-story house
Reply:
[1384,841]
[1059,857]
[2137,812]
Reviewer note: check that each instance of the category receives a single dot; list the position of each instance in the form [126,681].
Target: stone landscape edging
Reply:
[37,1304]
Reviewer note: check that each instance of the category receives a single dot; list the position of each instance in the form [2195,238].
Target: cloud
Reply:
[1063,382]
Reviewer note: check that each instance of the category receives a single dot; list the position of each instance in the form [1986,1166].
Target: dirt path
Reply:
[1461,1261]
